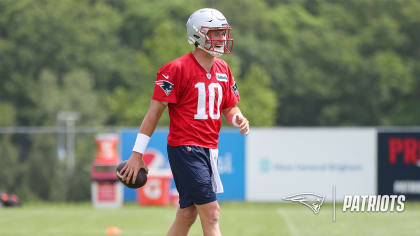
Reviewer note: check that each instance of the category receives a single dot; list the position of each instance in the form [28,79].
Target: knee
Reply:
[187,215]
[211,216]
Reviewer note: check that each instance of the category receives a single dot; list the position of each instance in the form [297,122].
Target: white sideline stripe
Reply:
[289,223]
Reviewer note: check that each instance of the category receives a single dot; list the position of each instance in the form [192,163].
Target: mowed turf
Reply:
[241,219]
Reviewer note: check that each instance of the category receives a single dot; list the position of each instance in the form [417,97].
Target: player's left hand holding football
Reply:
[243,125]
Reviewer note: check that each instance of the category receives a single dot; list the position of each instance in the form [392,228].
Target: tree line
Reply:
[296,62]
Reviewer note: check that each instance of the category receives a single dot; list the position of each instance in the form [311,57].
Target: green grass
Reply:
[242,219]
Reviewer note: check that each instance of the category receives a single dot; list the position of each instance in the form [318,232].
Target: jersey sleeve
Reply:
[232,94]
[166,84]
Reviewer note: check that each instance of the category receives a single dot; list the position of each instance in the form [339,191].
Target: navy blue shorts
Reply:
[191,169]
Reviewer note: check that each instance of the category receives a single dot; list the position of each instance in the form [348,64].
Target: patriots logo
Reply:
[165,85]
[235,89]
[311,200]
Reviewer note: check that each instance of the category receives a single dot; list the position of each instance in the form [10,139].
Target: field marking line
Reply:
[289,223]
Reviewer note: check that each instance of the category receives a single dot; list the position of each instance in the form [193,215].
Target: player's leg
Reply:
[187,212]
[209,217]
[191,169]
[185,217]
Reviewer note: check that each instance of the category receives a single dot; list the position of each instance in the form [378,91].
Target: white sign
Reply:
[286,161]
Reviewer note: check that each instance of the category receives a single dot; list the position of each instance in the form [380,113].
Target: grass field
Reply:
[244,219]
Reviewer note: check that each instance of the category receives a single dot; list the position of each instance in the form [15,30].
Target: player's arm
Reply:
[234,116]
[148,126]
[152,117]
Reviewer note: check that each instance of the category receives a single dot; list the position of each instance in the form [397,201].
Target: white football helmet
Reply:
[199,32]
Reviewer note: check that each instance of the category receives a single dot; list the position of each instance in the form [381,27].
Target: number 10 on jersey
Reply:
[201,103]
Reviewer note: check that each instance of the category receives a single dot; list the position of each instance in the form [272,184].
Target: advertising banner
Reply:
[399,163]
[286,161]
[231,160]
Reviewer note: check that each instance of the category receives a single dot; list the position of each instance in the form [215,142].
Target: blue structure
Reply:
[231,160]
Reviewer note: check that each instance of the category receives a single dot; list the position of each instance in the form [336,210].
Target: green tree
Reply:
[9,160]
[258,100]
[8,114]
[76,93]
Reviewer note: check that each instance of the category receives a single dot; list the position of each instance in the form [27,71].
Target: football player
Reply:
[197,88]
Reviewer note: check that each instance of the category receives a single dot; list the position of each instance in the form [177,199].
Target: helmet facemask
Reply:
[217,45]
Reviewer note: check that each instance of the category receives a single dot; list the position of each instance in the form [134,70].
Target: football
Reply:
[140,180]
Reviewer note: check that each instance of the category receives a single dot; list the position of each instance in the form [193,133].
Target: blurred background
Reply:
[73,69]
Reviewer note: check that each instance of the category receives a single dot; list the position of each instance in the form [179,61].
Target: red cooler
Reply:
[156,192]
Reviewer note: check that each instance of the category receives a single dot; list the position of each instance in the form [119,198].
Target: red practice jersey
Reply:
[195,99]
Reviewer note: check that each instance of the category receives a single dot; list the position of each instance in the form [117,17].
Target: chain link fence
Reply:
[48,163]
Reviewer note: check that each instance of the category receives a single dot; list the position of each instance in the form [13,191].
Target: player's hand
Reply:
[243,125]
[132,168]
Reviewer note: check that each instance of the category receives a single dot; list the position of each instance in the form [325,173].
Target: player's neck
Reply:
[204,59]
